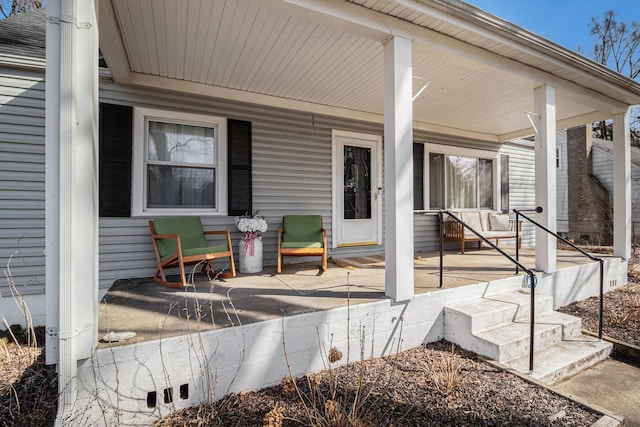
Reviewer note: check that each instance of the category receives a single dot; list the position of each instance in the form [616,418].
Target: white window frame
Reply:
[141,117]
[462,152]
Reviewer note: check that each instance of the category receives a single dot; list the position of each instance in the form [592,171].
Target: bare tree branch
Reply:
[617,46]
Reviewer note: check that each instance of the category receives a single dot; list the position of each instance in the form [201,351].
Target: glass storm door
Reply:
[357,201]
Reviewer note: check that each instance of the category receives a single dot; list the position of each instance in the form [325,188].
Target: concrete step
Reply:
[564,359]
[511,340]
[498,327]
[485,313]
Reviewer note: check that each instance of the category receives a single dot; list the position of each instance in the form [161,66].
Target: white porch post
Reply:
[621,186]
[398,174]
[71,182]
[545,177]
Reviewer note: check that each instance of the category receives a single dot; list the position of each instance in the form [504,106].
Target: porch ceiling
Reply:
[327,57]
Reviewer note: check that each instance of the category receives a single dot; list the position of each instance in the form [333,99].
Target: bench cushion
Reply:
[298,245]
[498,222]
[472,219]
[499,234]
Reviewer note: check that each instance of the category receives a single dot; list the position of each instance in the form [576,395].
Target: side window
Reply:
[460,182]
[456,178]
[179,163]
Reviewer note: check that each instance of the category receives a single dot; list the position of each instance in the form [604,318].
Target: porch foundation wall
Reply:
[114,385]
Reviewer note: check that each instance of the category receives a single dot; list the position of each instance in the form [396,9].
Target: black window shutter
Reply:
[418,176]
[115,160]
[504,182]
[239,179]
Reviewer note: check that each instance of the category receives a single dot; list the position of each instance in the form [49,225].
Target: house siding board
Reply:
[521,184]
[602,164]
[22,175]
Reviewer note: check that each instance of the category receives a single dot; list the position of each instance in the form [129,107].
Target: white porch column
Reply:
[621,186]
[545,177]
[398,174]
[71,182]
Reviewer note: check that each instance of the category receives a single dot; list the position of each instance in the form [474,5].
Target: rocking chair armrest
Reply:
[217,232]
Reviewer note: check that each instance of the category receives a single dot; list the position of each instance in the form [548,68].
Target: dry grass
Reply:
[28,387]
[621,315]
[434,385]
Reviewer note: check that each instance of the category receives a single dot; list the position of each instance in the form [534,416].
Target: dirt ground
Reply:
[432,385]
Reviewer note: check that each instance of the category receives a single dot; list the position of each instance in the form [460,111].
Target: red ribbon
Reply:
[249,242]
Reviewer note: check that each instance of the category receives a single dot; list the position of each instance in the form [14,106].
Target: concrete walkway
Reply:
[612,385]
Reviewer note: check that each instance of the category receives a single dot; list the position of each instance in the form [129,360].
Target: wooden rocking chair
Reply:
[181,241]
[302,235]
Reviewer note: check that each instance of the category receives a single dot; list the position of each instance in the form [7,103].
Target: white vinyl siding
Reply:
[521,184]
[22,174]
[602,164]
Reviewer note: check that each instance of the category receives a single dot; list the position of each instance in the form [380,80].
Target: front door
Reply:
[357,190]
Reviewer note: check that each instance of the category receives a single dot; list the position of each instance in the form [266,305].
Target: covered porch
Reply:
[155,312]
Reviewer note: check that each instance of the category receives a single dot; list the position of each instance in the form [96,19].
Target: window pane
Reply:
[485,176]
[461,178]
[170,186]
[180,143]
[504,182]
[436,181]
[357,182]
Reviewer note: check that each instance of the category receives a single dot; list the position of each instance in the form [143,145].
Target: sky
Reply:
[565,22]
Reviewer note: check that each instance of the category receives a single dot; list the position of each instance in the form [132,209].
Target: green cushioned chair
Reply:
[181,241]
[302,235]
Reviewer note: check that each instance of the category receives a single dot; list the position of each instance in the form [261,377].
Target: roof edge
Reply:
[486,21]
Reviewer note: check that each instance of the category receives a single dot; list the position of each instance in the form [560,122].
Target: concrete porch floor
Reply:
[152,311]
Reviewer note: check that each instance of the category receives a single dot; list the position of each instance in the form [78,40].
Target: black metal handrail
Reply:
[519,214]
[529,272]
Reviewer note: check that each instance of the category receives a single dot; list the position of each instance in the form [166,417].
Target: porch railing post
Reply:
[532,320]
[441,217]
[517,240]
[601,302]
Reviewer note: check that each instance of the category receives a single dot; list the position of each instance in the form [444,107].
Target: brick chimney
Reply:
[588,201]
